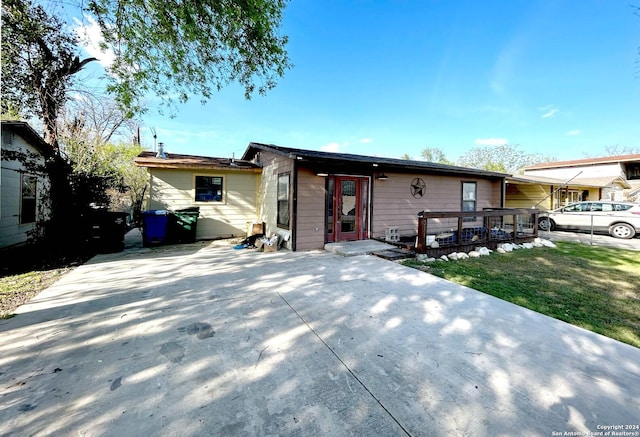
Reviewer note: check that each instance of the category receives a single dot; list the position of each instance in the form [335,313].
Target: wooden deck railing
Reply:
[468,230]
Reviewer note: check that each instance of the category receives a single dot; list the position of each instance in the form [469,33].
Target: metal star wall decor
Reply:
[417,187]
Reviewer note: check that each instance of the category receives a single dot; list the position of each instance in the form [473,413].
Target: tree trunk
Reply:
[50,124]
[53,94]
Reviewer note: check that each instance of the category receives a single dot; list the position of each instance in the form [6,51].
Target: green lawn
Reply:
[19,288]
[28,269]
[596,288]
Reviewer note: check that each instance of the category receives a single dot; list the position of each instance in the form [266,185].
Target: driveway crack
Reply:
[345,366]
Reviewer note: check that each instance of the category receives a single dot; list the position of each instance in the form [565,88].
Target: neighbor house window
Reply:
[28,199]
[283,200]
[209,188]
[7,138]
[469,198]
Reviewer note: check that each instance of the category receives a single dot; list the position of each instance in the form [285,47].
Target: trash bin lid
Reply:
[156,212]
[189,209]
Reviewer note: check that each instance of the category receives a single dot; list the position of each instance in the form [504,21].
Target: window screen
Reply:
[469,198]
[209,188]
[28,199]
[283,200]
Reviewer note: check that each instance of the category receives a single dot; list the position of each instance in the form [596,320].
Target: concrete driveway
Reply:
[593,239]
[205,340]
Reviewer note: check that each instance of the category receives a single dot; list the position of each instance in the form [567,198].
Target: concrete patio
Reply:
[202,339]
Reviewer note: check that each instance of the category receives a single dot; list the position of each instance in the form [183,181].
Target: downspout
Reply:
[150,198]
[294,206]
[370,206]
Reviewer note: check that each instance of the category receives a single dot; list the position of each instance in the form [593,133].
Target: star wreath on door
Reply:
[417,187]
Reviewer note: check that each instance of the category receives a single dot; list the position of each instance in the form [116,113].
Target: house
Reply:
[610,178]
[311,198]
[225,190]
[23,182]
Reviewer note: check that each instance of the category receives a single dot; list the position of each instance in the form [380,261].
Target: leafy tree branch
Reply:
[176,49]
[39,61]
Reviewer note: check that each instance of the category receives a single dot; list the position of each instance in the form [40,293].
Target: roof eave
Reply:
[26,131]
[382,163]
[178,166]
[586,162]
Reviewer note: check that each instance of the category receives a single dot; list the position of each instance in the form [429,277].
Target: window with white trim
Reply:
[28,193]
[469,198]
[283,200]
[209,188]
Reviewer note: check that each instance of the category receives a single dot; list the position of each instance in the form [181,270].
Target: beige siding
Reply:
[528,196]
[310,230]
[394,206]
[594,193]
[175,189]
[11,231]
[272,165]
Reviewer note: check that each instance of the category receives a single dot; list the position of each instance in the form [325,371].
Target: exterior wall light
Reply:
[382,177]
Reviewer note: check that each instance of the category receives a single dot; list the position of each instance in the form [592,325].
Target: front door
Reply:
[350,208]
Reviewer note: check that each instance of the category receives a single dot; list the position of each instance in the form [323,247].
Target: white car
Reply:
[618,219]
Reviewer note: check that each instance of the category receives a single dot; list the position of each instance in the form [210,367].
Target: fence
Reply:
[464,231]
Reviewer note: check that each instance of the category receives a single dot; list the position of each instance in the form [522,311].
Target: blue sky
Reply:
[557,77]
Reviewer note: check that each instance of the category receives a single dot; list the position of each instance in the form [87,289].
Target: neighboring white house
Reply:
[23,182]
[619,176]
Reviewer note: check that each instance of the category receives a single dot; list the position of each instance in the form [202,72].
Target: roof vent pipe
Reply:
[161,153]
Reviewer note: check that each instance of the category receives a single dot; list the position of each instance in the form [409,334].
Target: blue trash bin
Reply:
[154,226]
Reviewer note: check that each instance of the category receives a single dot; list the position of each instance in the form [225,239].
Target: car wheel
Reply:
[546,224]
[622,230]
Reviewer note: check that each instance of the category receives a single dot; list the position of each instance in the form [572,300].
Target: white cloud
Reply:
[506,64]
[91,39]
[491,141]
[548,111]
[573,133]
[366,140]
[335,147]
[331,147]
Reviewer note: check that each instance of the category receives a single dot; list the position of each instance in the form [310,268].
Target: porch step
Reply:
[395,254]
[355,248]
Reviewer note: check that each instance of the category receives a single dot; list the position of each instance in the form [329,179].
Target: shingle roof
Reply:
[383,163]
[174,160]
[532,179]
